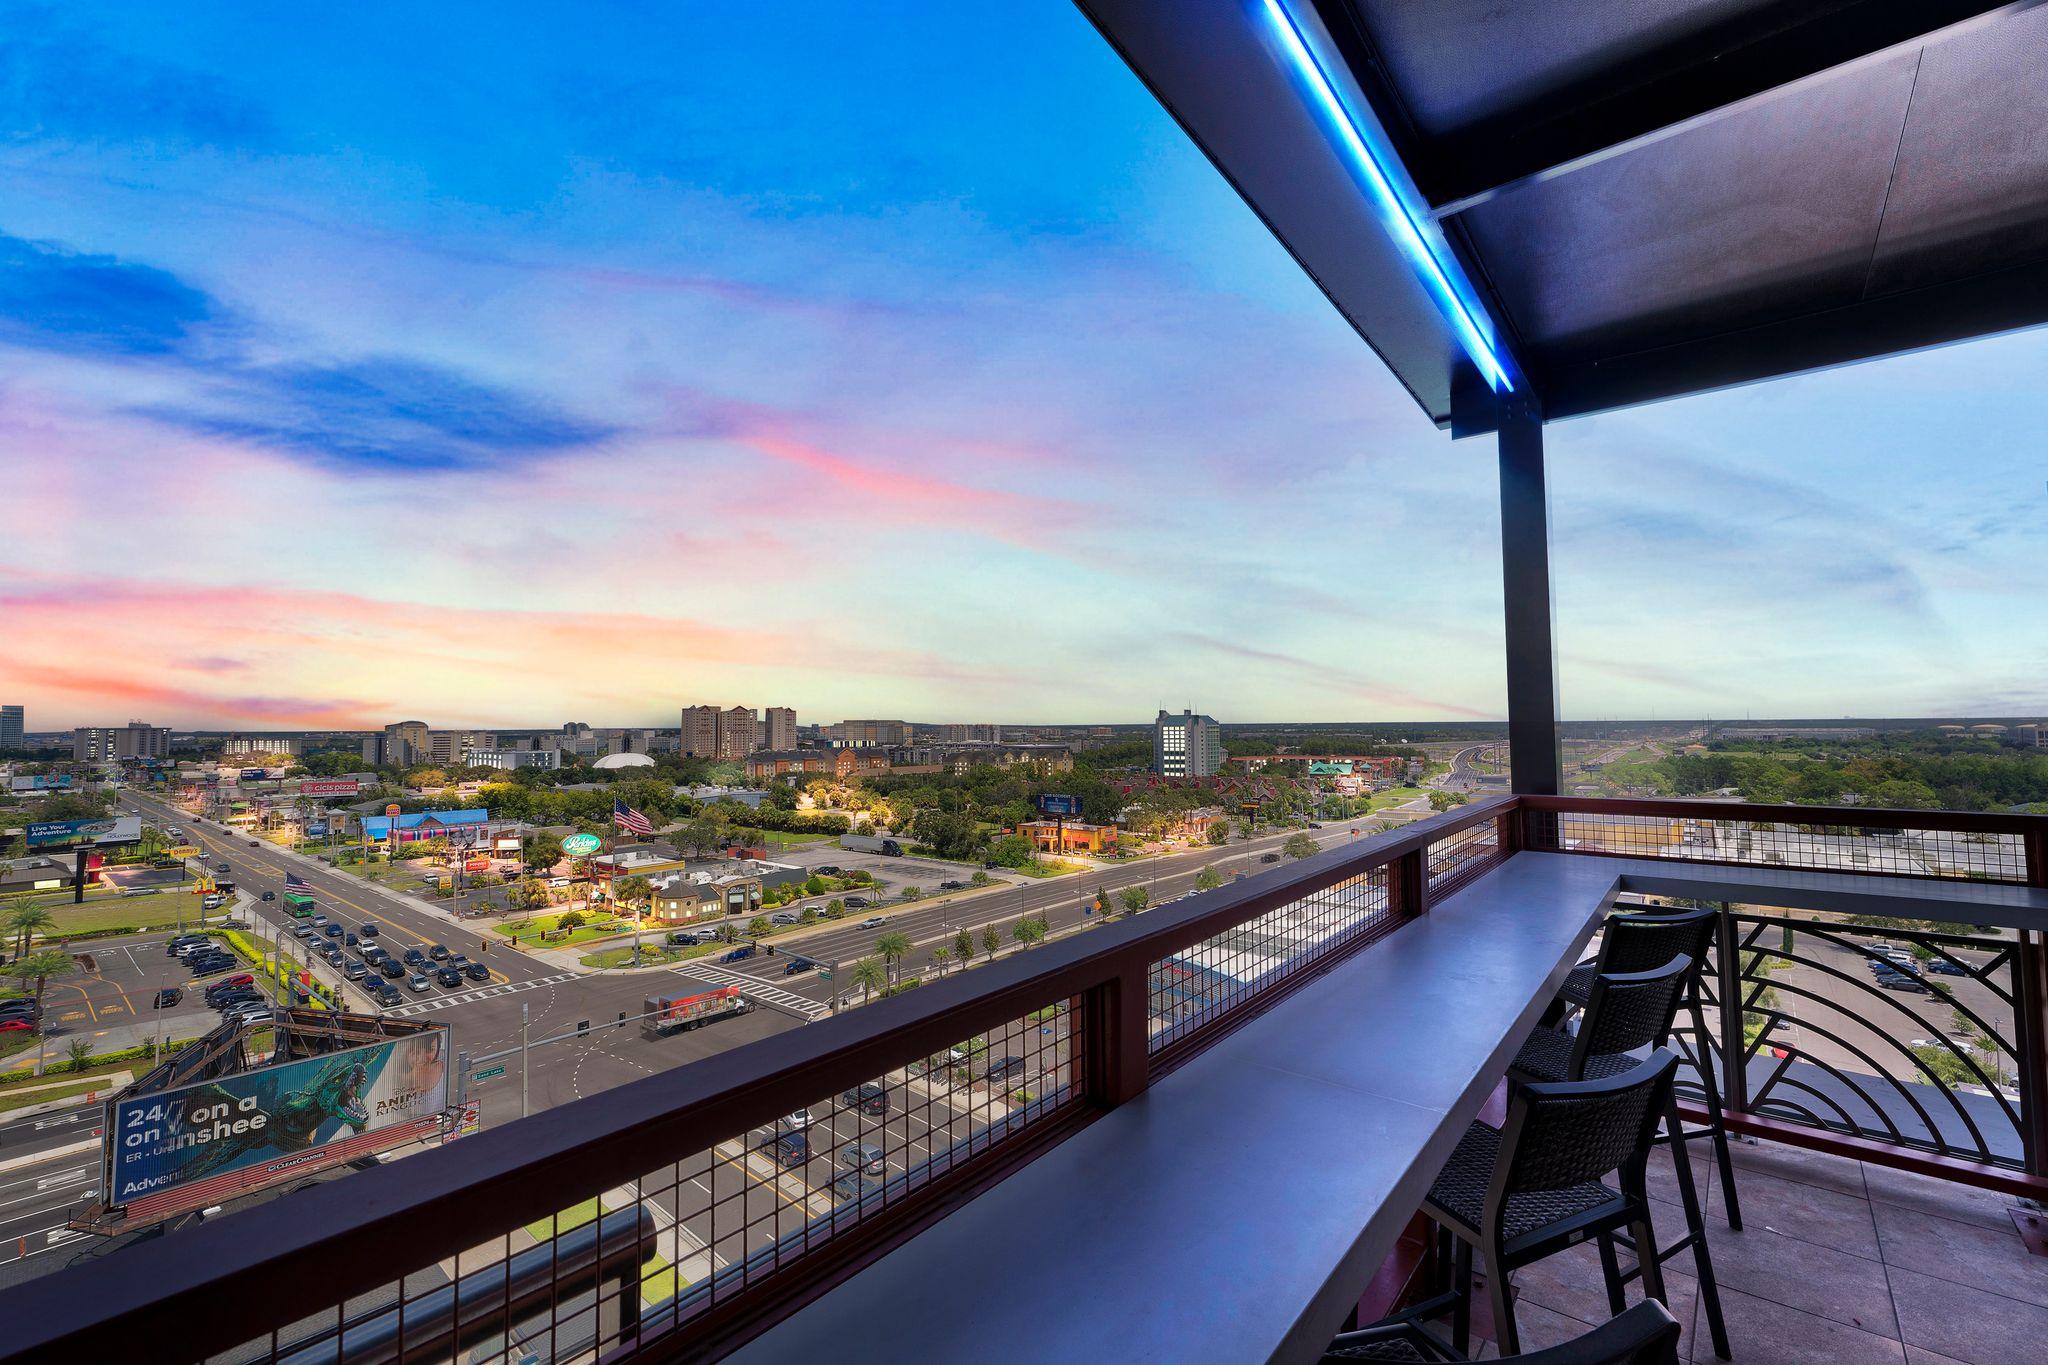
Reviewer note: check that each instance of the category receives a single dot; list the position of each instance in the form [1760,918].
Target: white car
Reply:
[795,1122]
[873,922]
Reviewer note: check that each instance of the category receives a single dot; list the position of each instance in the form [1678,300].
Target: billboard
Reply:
[200,1144]
[330,786]
[1059,805]
[121,829]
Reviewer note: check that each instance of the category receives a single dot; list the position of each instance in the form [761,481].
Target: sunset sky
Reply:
[514,364]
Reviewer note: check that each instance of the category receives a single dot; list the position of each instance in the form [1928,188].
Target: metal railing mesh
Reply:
[1457,858]
[659,1252]
[1828,845]
[1194,987]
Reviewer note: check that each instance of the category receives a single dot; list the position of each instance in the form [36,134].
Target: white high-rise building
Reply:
[1186,745]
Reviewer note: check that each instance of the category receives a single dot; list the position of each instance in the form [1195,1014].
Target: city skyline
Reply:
[331,399]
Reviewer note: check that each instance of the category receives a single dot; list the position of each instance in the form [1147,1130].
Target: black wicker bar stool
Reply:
[1626,1013]
[1646,1334]
[1536,1186]
[1638,943]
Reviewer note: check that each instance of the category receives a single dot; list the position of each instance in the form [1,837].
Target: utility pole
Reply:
[524,1089]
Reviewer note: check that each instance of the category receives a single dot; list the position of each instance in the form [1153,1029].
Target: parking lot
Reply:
[108,1003]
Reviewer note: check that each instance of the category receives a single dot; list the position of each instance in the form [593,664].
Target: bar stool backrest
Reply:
[1646,1334]
[1639,943]
[1564,1133]
[1629,1011]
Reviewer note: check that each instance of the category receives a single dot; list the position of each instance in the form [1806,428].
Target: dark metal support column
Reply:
[1535,764]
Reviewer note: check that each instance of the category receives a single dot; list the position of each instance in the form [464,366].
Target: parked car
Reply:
[228,983]
[793,1148]
[167,997]
[856,902]
[1899,981]
[1942,966]
[172,948]
[795,1121]
[476,971]
[15,1023]
[862,1156]
[783,917]
[869,1097]
[826,869]
[1008,1068]
[951,885]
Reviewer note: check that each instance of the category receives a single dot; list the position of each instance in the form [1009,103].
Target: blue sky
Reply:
[518,363]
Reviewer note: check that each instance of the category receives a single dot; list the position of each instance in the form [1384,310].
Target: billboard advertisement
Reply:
[330,786]
[121,829]
[199,1144]
[1059,805]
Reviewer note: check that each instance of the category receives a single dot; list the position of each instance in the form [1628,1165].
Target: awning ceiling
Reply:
[1650,197]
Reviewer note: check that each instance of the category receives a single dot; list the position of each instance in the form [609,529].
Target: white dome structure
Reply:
[624,761]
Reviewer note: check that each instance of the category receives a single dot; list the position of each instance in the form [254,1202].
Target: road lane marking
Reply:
[442,1002]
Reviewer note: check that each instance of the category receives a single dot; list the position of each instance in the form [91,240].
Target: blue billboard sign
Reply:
[227,1136]
[121,829]
[1059,805]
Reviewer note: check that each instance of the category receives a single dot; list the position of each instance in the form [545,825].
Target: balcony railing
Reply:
[913,1104]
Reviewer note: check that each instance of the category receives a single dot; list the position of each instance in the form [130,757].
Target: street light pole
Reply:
[524,1092]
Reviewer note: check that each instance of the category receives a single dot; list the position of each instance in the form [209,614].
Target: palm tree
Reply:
[40,967]
[26,921]
[963,947]
[870,975]
[941,957]
[893,948]
[991,939]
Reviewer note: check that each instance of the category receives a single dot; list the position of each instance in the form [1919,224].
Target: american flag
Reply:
[630,820]
[294,882]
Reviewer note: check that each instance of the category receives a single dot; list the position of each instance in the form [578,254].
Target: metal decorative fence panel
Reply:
[659,1253]
[1893,1033]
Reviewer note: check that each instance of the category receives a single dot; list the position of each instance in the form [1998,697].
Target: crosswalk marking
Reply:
[754,986]
[442,1002]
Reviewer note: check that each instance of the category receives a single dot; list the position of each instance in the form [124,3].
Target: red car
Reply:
[14,1025]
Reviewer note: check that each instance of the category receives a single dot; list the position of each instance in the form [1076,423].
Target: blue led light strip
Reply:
[1436,271]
